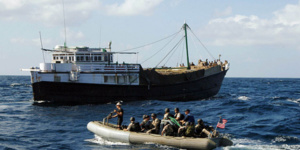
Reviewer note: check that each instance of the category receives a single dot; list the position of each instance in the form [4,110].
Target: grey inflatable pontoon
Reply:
[109,132]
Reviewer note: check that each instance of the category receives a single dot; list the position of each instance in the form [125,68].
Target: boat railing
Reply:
[105,120]
[109,68]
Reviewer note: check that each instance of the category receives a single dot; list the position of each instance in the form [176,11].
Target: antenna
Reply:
[65,43]
[100,39]
[42,46]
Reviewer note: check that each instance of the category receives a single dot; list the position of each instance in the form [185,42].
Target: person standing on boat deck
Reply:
[119,114]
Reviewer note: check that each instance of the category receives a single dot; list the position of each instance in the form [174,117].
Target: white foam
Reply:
[244,98]
[265,147]
[101,141]
[15,84]
[283,139]
[294,100]
[249,144]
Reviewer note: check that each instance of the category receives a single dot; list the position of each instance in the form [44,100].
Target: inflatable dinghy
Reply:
[111,133]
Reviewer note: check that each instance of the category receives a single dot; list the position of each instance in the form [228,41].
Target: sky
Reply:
[260,38]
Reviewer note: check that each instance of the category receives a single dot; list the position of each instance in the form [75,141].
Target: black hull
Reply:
[78,93]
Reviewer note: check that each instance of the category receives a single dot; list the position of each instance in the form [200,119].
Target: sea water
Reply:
[262,113]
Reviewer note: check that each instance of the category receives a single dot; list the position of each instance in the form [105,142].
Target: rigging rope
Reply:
[170,51]
[161,48]
[182,53]
[173,52]
[203,45]
[151,43]
[197,47]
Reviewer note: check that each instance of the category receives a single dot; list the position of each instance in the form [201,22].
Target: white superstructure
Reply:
[85,65]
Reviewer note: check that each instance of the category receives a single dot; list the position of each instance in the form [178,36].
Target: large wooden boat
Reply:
[89,75]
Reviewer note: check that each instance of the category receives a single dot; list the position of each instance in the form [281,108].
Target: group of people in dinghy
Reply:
[171,125]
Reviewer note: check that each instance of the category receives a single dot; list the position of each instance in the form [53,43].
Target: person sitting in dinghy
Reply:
[133,126]
[188,117]
[166,118]
[204,131]
[167,114]
[119,114]
[188,121]
[146,123]
[167,130]
[155,125]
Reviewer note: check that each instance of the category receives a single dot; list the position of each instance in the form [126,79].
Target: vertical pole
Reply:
[42,46]
[108,58]
[65,43]
[187,49]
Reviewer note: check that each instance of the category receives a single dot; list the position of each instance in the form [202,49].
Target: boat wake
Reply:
[249,144]
[148,145]
[99,140]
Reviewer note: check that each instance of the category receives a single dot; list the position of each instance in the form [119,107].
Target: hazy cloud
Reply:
[175,3]
[30,42]
[223,13]
[282,29]
[72,35]
[49,12]
[133,7]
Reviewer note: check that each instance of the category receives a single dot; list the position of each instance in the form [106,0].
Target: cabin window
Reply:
[96,58]
[53,58]
[57,78]
[81,58]
[133,79]
[87,58]
[72,58]
[111,58]
[99,58]
[61,57]
[105,58]
[110,79]
[122,79]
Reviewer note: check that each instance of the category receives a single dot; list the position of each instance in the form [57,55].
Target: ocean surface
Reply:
[262,113]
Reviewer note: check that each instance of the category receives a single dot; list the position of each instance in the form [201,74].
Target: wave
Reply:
[19,84]
[294,100]
[244,98]
[280,139]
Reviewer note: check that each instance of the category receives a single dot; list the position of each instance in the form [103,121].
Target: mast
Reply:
[186,44]
[65,43]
